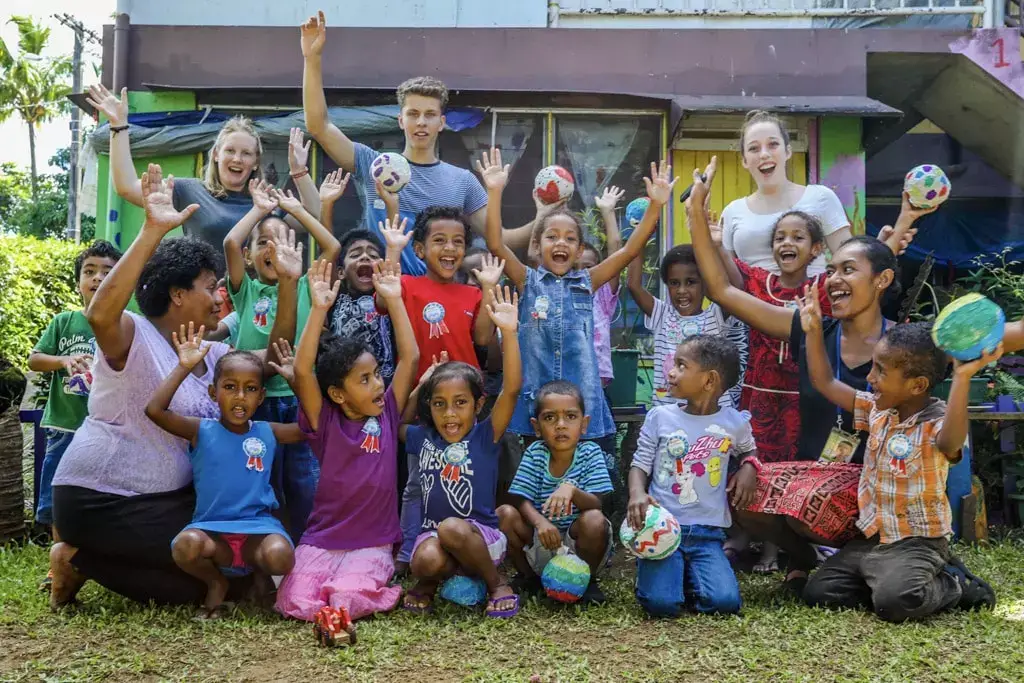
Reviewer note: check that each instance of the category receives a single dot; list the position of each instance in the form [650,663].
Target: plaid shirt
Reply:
[902,490]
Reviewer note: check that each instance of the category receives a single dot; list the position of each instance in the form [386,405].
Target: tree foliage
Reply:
[47,215]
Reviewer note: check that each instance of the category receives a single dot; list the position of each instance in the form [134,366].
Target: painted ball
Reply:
[392,170]
[969,327]
[565,577]
[553,184]
[635,211]
[927,186]
[658,538]
[464,590]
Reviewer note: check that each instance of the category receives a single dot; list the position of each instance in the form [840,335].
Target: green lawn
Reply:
[109,638]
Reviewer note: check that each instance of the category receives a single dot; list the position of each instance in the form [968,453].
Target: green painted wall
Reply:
[841,165]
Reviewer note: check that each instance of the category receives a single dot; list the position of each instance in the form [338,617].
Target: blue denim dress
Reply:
[556,340]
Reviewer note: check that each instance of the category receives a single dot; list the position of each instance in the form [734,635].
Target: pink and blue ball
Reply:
[565,578]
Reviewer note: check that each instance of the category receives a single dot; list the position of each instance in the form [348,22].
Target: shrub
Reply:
[36,283]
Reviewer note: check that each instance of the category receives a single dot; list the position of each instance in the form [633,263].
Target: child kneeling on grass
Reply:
[683,453]
[559,484]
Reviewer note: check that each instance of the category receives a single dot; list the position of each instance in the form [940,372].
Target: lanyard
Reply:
[839,363]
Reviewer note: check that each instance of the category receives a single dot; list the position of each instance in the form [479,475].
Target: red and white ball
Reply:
[392,170]
[553,184]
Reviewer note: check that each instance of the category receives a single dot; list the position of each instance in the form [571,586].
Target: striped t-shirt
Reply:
[533,480]
[436,184]
[671,329]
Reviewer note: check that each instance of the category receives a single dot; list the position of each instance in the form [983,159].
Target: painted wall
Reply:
[841,165]
[354,13]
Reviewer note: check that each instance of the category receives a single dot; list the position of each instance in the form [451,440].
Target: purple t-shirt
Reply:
[604,308]
[356,501]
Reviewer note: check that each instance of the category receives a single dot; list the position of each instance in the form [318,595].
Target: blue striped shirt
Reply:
[534,482]
[436,184]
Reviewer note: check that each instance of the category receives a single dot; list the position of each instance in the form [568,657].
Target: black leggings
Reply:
[124,542]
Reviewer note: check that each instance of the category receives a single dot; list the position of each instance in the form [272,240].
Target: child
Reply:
[454,465]
[559,485]
[66,350]
[904,568]
[232,528]
[556,316]
[255,299]
[687,448]
[344,558]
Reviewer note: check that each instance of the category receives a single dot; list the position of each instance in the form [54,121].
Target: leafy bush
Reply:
[37,281]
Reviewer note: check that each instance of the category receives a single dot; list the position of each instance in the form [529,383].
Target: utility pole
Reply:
[73,231]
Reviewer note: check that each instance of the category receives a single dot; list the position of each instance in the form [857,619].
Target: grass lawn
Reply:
[109,638]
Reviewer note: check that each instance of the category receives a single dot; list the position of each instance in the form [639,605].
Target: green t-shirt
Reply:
[256,304]
[68,334]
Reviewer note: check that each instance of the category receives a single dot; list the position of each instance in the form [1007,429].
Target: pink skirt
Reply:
[354,579]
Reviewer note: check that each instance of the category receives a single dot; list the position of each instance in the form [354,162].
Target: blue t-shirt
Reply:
[232,480]
[455,479]
[436,184]
[534,482]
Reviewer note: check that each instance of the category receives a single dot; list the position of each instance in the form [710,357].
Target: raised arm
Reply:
[396,237]
[613,239]
[314,104]
[518,239]
[235,240]
[325,239]
[388,283]
[903,231]
[191,352]
[331,190]
[635,282]
[1013,337]
[126,183]
[495,176]
[504,312]
[728,262]
[298,169]
[286,255]
[114,330]
[659,189]
[321,296]
[818,367]
[774,321]
[955,427]
[409,414]
[488,276]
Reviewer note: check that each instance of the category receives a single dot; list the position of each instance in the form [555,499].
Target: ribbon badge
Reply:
[261,308]
[691,329]
[371,442]
[677,445]
[456,456]
[899,447]
[368,308]
[254,450]
[540,308]
[433,313]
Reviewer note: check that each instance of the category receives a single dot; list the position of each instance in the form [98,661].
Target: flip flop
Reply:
[47,583]
[769,567]
[418,597]
[494,613]
[217,613]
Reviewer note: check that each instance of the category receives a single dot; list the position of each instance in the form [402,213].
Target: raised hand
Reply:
[286,200]
[810,309]
[709,178]
[286,254]
[660,184]
[259,190]
[968,369]
[609,199]
[314,35]
[333,186]
[158,201]
[395,236]
[321,292]
[298,151]
[286,358]
[116,110]
[437,362]
[504,312]
[910,212]
[492,173]
[714,227]
[387,280]
[490,274]
[389,198]
[189,346]
[77,364]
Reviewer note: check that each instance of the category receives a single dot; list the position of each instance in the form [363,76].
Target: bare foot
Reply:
[66,579]
[216,591]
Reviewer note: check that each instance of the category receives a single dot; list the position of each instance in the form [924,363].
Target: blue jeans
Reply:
[296,470]
[698,573]
[57,442]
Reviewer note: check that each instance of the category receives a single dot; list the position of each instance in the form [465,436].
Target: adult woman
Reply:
[747,222]
[123,489]
[223,191]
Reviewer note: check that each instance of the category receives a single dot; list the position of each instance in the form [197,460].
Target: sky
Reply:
[56,134]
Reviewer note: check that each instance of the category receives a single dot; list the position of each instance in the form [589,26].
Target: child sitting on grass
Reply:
[903,568]
[233,528]
[453,466]
[559,485]
[682,464]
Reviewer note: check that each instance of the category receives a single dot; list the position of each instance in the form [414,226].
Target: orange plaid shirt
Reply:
[902,490]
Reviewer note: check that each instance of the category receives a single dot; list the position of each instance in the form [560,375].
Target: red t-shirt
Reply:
[443,316]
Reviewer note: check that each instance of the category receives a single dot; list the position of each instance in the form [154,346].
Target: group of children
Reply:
[300,476]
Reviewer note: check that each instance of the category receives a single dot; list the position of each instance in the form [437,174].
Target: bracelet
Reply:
[303,172]
[118,129]
[754,462]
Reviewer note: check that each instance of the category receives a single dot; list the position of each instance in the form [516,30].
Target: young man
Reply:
[423,101]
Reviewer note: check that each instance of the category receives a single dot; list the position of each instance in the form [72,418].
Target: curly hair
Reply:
[449,371]
[98,249]
[425,86]
[247,356]
[812,224]
[916,353]
[335,358]
[359,235]
[421,230]
[716,353]
[176,263]
[681,254]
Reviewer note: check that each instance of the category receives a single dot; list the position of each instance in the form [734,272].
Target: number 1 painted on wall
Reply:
[1001,46]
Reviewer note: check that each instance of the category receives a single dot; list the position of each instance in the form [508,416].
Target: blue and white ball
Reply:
[927,186]
[635,211]
[392,170]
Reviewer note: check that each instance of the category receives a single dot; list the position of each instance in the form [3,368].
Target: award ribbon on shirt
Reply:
[899,447]
[456,456]
[254,450]
[540,308]
[433,313]
[260,310]
[691,328]
[368,307]
[371,442]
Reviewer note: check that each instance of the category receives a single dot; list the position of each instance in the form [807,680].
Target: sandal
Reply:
[46,584]
[418,601]
[769,567]
[217,613]
[495,613]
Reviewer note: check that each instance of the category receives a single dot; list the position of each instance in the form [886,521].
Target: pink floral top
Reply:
[605,302]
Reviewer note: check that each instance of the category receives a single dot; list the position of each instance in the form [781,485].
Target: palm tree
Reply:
[33,86]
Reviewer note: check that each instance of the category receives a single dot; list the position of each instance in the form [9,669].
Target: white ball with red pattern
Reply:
[553,184]
[392,170]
